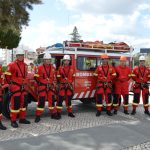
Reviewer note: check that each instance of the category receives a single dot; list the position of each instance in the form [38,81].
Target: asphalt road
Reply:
[85,132]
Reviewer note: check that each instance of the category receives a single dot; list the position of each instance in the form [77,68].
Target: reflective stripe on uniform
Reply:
[36,75]
[58,107]
[109,104]
[41,109]
[115,104]
[51,108]
[146,105]
[8,73]
[95,74]
[15,111]
[22,109]
[133,75]
[114,74]
[99,105]
[58,76]
[125,105]
[135,104]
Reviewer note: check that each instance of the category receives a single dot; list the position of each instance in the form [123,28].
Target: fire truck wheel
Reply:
[86,101]
[6,104]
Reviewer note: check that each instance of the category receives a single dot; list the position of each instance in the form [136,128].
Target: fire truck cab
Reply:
[85,57]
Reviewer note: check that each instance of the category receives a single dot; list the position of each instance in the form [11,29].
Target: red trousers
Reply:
[1,107]
[45,94]
[121,88]
[137,94]
[64,93]
[18,102]
[102,93]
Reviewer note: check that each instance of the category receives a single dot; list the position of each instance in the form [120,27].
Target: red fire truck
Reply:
[85,57]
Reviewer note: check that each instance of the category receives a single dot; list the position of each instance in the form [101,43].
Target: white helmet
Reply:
[47,56]
[19,52]
[66,57]
[142,58]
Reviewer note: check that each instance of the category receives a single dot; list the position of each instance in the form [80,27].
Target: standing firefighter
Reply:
[105,73]
[65,77]
[16,76]
[141,76]
[2,127]
[122,85]
[45,78]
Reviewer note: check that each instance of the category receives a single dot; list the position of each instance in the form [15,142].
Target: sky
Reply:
[103,20]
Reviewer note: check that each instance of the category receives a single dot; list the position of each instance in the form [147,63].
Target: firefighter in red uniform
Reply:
[16,76]
[45,78]
[105,73]
[2,127]
[121,85]
[65,77]
[141,76]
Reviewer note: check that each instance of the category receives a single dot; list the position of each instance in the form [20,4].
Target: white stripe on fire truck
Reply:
[81,95]
[87,94]
[75,95]
[93,93]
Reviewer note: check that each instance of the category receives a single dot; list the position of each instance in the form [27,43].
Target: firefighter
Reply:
[45,78]
[16,76]
[121,85]
[65,77]
[2,127]
[105,74]
[141,76]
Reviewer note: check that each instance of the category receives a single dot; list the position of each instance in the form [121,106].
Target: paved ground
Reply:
[87,131]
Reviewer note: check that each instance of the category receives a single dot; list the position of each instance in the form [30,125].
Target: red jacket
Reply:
[17,72]
[123,73]
[105,73]
[141,74]
[66,74]
[45,74]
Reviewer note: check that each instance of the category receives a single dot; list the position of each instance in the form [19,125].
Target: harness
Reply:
[105,84]
[48,87]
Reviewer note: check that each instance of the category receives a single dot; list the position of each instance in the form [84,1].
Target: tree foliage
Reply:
[13,16]
[75,35]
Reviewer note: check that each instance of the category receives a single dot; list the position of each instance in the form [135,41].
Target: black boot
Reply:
[71,115]
[98,113]
[59,115]
[14,124]
[133,112]
[126,112]
[109,113]
[115,112]
[54,116]
[147,112]
[37,119]
[2,127]
[24,121]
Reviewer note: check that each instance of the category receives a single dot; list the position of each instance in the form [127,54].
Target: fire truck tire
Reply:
[86,101]
[6,105]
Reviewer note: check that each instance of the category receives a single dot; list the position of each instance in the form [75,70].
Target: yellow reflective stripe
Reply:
[115,104]
[51,108]
[41,109]
[95,74]
[133,75]
[129,75]
[15,111]
[22,109]
[36,75]
[58,76]
[109,104]
[146,105]
[58,107]
[135,104]
[114,74]
[8,73]
[125,105]
[99,105]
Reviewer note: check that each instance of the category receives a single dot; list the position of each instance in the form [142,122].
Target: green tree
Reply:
[75,35]
[13,16]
